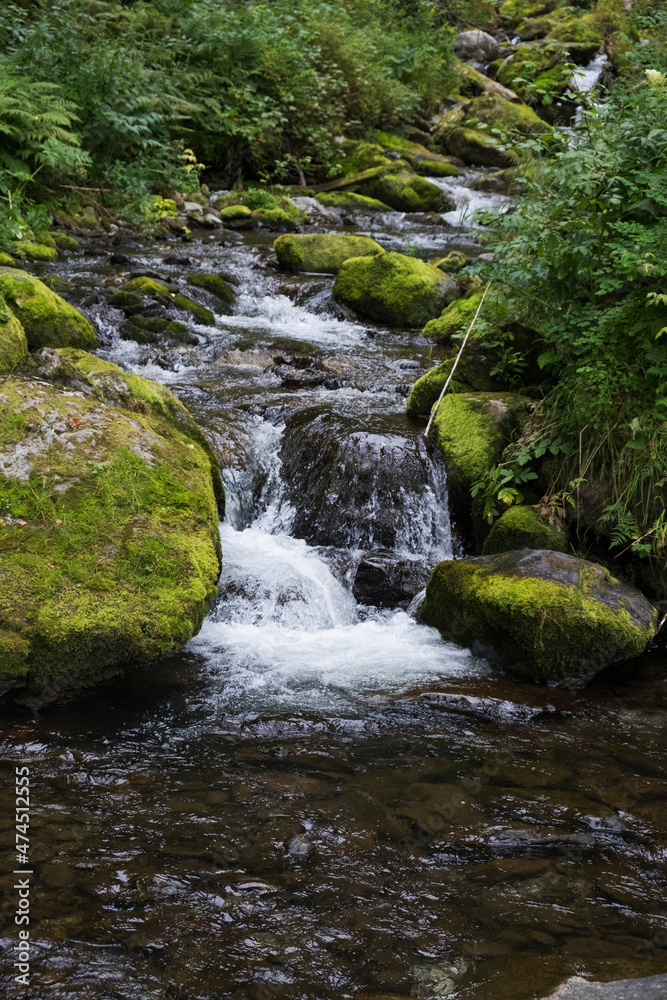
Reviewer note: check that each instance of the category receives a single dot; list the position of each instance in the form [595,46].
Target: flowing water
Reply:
[320,798]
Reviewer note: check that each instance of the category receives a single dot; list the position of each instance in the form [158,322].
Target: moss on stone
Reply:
[6,260]
[212,283]
[31,250]
[452,263]
[145,286]
[350,201]
[234,213]
[407,192]
[392,288]
[150,329]
[200,313]
[129,302]
[544,615]
[426,389]
[568,24]
[277,218]
[471,429]
[496,112]
[434,168]
[65,242]
[478,148]
[529,62]
[455,319]
[358,156]
[522,527]
[513,11]
[117,563]
[322,253]
[13,342]
[46,318]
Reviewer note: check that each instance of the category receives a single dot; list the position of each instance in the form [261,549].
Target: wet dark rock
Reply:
[384,581]
[178,260]
[121,258]
[352,487]
[650,988]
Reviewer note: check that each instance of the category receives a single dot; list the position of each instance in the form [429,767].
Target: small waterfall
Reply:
[585,78]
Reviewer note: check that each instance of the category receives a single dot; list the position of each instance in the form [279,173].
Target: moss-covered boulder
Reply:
[151,329]
[323,253]
[407,192]
[166,295]
[522,527]
[6,260]
[514,11]
[47,319]
[352,202]
[455,319]
[543,615]
[234,213]
[392,288]
[109,533]
[478,148]
[213,283]
[13,342]
[471,430]
[65,242]
[536,65]
[452,263]
[568,24]
[360,155]
[427,389]
[511,118]
[32,250]
[431,167]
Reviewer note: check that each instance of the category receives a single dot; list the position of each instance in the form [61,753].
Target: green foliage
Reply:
[588,254]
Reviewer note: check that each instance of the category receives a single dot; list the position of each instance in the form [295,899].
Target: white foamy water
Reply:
[467,200]
[280,317]
[585,78]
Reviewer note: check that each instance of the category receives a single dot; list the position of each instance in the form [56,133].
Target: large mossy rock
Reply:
[478,148]
[471,429]
[543,615]
[568,24]
[522,527]
[146,287]
[496,112]
[351,202]
[323,253]
[536,65]
[514,11]
[455,319]
[47,319]
[392,288]
[408,192]
[13,342]
[109,534]
[214,284]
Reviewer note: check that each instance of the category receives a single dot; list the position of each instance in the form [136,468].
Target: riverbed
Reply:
[320,798]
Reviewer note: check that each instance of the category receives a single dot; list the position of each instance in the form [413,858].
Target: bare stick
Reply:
[73,187]
[449,379]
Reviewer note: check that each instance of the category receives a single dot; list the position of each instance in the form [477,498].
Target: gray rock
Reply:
[313,207]
[477,45]
[191,207]
[651,988]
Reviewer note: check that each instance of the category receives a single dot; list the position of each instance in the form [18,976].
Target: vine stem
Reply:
[458,356]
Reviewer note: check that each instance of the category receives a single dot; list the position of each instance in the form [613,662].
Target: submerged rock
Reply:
[543,615]
[393,288]
[47,319]
[522,527]
[323,253]
[109,534]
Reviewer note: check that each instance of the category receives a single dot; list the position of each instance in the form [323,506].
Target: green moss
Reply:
[505,606]
[407,192]
[13,342]
[452,263]
[498,113]
[434,168]
[44,238]
[6,260]
[358,156]
[528,62]
[46,318]
[57,284]
[117,563]
[523,528]
[568,24]
[149,329]
[455,319]
[145,286]
[212,283]
[514,11]
[277,217]
[392,288]
[129,302]
[350,201]
[29,250]
[322,253]
[478,148]
[200,313]
[471,429]
[426,389]
[234,213]
[64,242]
